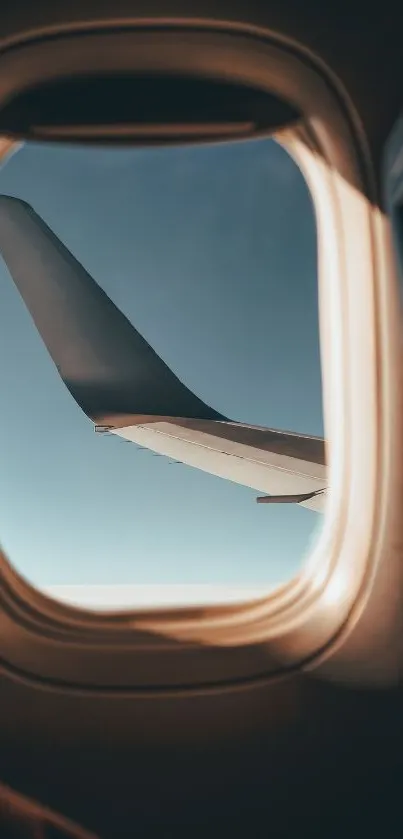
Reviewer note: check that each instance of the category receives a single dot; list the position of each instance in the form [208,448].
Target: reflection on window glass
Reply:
[210,253]
[398,232]
[393,186]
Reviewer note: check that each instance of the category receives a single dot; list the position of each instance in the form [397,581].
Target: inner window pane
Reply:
[210,252]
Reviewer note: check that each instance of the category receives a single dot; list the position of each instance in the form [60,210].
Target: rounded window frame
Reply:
[211,647]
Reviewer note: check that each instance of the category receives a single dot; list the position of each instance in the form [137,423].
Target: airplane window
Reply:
[166,297]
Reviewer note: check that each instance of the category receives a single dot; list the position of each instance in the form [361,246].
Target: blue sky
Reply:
[211,253]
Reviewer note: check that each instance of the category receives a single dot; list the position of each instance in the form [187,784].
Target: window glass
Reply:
[210,252]
[393,164]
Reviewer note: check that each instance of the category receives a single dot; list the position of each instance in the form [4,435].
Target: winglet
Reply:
[109,368]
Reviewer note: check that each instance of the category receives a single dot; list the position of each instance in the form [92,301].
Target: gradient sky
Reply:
[211,253]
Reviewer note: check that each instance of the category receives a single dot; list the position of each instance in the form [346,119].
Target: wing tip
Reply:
[6,200]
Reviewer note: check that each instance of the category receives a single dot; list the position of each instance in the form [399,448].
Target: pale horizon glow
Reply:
[103,597]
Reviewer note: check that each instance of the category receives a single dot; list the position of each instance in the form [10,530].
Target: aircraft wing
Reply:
[270,461]
[125,388]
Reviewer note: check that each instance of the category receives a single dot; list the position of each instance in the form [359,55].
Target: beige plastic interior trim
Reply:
[300,623]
